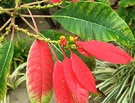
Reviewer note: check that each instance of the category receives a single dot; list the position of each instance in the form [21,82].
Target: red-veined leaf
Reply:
[105,51]
[79,92]
[83,73]
[61,90]
[40,73]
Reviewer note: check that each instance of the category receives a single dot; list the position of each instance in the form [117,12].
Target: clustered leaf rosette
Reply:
[75,80]
[71,79]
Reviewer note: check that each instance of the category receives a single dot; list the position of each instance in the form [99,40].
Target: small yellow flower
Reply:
[62,37]
[71,38]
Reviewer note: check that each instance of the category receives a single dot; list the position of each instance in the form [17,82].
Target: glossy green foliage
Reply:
[93,20]
[103,1]
[126,3]
[7,3]
[6,54]
[21,49]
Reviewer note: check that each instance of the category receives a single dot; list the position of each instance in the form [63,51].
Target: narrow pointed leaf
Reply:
[83,73]
[105,51]
[79,92]
[61,90]
[132,89]
[95,21]
[40,73]
[6,54]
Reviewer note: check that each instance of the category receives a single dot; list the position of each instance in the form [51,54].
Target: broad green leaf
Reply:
[57,52]
[53,35]
[126,3]
[133,28]
[122,12]
[93,20]
[131,16]
[103,1]
[6,54]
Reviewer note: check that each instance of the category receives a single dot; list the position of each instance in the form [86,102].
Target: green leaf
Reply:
[123,97]
[53,35]
[126,3]
[110,96]
[57,52]
[131,16]
[122,86]
[103,1]
[133,28]
[122,12]
[6,54]
[132,89]
[93,20]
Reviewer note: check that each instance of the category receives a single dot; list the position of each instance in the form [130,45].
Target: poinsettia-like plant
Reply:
[55,62]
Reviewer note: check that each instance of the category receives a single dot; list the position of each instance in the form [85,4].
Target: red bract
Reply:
[83,52]
[79,92]
[55,1]
[39,72]
[74,0]
[105,51]
[62,92]
[83,73]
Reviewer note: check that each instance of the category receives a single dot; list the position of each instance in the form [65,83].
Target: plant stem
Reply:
[13,32]
[27,22]
[36,16]
[5,24]
[2,10]
[34,3]
[34,22]
[34,35]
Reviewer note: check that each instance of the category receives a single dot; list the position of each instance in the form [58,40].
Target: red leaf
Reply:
[62,92]
[83,52]
[105,51]
[39,72]
[55,1]
[79,92]
[83,73]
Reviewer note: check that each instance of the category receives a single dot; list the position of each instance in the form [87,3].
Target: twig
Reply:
[38,6]
[34,22]
[34,3]
[8,29]
[27,22]
[5,24]
[13,32]
[34,35]
[28,33]
[37,16]
[2,10]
